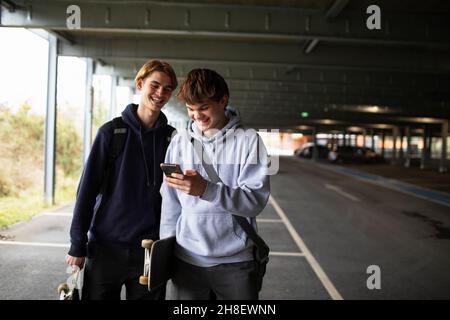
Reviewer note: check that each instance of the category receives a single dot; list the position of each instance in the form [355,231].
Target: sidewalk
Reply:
[427,178]
[427,184]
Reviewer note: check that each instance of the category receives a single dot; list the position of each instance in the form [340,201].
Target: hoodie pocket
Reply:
[209,234]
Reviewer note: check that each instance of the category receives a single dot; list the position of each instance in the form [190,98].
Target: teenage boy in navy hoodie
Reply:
[106,231]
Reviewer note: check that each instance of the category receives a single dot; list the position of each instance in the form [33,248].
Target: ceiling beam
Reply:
[394,105]
[260,75]
[258,54]
[268,79]
[233,22]
[340,119]
[334,10]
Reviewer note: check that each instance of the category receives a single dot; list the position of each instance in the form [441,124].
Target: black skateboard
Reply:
[157,262]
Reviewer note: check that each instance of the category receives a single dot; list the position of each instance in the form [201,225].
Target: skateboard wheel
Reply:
[63,287]
[143,280]
[147,243]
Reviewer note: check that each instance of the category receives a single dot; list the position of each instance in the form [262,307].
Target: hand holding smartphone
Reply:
[169,168]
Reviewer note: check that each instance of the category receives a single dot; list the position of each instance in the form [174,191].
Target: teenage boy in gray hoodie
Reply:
[214,255]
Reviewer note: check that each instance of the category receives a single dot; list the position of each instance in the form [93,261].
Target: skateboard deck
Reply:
[157,262]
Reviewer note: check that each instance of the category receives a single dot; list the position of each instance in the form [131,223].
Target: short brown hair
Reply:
[201,85]
[155,65]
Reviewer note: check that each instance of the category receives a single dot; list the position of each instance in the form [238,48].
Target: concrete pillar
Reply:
[424,149]
[372,140]
[394,144]
[364,138]
[407,162]
[444,134]
[383,137]
[430,145]
[50,121]
[401,155]
[89,104]
[344,139]
[315,155]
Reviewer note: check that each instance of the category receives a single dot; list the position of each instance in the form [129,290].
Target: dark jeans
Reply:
[107,269]
[228,281]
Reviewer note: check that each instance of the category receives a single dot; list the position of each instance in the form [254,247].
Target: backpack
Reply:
[117,144]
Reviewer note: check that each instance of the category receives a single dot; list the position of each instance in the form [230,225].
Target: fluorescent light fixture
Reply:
[310,45]
[297,136]
[355,129]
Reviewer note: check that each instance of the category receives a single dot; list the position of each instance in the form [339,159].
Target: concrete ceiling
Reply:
[280,58]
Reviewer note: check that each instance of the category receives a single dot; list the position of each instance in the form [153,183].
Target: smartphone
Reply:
[169,168]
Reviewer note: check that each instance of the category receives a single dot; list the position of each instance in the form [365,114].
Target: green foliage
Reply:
[21,150]
[68,148]
[14,209]
[5,183]
[22,162]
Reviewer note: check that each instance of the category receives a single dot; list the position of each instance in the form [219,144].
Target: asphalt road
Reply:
[324,229]
[349,225]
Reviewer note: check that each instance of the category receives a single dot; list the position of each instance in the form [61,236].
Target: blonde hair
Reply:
[155,65]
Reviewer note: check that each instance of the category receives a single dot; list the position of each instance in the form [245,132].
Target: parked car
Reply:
[307,149]
[353,154]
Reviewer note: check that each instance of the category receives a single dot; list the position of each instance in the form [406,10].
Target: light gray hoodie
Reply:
[206,232]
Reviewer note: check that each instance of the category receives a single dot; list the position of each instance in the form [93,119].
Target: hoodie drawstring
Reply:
[145,159]
[154,160]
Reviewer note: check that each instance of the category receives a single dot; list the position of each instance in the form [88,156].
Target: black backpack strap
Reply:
[168,135]
[118,140]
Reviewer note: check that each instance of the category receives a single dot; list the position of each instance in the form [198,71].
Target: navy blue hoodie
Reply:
[131,209]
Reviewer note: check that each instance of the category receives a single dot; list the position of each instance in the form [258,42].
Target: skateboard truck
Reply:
[158,257]
[147,245]
[67,292]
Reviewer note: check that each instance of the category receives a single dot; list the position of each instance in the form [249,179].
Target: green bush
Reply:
[21,150]
[22,163]
[68,148]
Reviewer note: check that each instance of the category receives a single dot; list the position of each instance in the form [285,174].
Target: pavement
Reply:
[429,177]
[327,230]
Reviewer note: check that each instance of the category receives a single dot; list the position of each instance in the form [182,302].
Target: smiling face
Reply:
[156,90]
[208,114]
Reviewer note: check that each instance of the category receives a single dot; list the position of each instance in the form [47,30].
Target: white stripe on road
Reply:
[36,244]
[57,214]
[332,291]
[341,192]
[286,254]
[269,220]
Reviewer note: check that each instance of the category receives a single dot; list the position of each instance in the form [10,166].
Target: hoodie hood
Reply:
[234,122]
[130,117]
